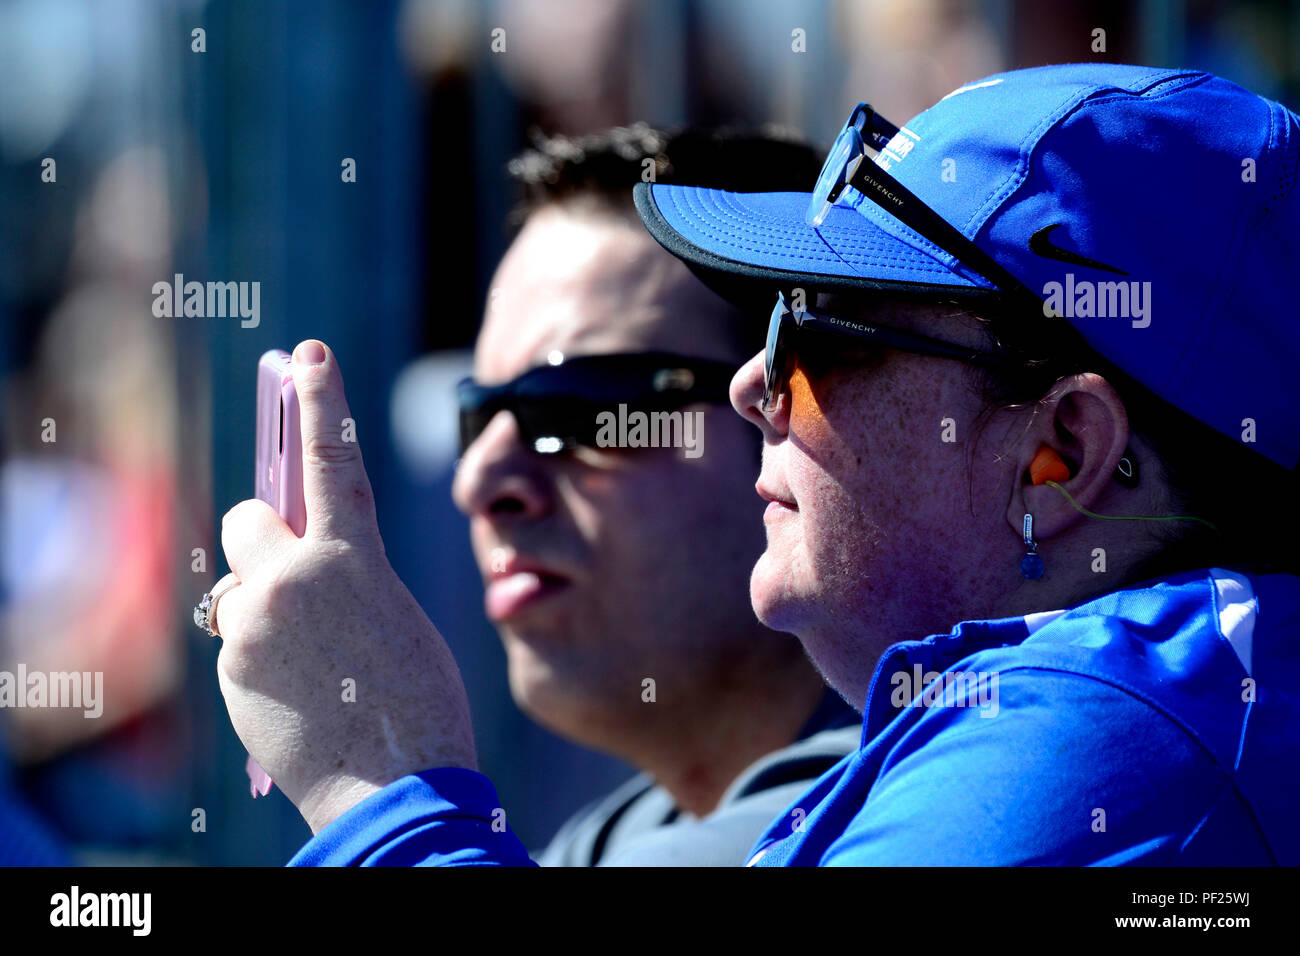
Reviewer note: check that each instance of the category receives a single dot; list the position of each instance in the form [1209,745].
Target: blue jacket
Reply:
[1158,725]
[26,839]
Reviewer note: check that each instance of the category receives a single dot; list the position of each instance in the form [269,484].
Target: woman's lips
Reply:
[777,508]
[776,505]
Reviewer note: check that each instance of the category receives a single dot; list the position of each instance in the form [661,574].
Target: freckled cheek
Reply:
[824,465]
[824,431]
[807,419]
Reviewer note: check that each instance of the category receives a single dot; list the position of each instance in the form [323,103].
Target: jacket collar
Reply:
[936,653]
[939,652]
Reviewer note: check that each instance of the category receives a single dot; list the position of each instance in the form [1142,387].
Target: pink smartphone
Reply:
[279,441]
[278,478]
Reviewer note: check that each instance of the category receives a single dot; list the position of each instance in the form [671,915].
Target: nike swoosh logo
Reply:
[1041,245]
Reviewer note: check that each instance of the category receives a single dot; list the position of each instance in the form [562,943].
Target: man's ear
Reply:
[1083,420]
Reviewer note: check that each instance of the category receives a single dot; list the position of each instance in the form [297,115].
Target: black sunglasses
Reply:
[781,348]
[557,405]
[847,164]
[781,353]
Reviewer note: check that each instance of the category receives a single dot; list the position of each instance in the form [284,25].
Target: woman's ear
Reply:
[1076,438]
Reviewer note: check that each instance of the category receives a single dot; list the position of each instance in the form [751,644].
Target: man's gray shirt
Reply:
[640,825]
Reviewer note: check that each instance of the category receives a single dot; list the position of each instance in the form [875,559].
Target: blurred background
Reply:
[141,139]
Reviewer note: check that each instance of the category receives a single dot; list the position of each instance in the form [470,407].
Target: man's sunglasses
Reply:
[847,164]
[783,328]
[557,405]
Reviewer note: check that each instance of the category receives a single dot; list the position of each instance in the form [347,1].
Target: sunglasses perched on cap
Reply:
[847,164]
[557,406]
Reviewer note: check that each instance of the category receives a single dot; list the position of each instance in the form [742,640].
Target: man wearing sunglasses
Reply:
[1043,539]
[617,576]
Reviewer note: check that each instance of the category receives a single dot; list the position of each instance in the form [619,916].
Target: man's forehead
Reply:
[587,284]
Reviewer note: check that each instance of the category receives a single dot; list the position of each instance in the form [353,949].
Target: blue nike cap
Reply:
[1154,209]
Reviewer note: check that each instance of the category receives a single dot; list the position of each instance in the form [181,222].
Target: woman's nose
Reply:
[747,387]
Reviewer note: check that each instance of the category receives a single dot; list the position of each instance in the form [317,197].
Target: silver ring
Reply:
[203,612]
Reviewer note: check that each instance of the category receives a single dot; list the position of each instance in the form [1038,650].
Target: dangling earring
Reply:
[1031,565]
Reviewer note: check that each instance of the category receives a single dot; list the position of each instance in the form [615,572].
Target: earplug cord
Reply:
[1093,514]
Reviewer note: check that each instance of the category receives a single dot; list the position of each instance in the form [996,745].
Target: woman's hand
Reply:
[334,678]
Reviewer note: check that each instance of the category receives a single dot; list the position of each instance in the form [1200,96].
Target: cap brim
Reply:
[739,240]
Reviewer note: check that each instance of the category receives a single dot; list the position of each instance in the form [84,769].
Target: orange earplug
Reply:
[1047,466]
